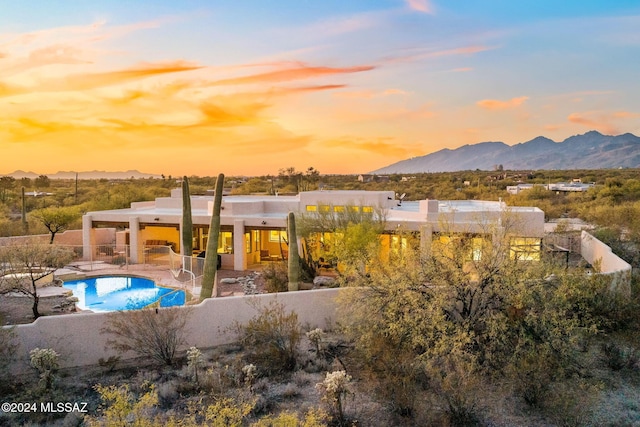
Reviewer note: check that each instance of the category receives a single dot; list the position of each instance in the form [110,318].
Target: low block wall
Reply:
[103,236]
[77,337]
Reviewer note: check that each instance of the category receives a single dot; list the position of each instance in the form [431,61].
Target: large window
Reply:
[278,236]
[247,242]
[225,242]
[525,248]
[256,240]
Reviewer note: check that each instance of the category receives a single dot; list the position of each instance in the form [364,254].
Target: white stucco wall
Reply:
[598,254]
[77,337]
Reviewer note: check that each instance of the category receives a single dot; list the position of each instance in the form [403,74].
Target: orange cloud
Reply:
[423,6]
[382,146]
[601,121]
[300,72]
[96,80]
[495,104]
[462,69]
[625,115]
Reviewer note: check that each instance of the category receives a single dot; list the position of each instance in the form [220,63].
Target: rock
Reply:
[324,281]
[229,280]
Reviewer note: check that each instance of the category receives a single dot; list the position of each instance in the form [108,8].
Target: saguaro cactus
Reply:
[25,224]
[294,257]
[209,278]
[187,221]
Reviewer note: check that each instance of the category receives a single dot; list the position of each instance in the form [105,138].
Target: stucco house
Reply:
[253,228]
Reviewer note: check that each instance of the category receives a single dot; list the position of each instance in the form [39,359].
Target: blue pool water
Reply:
[112,293]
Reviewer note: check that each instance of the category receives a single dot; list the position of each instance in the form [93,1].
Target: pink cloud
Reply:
[423,6]
[369,94]
[421,54]
[496,104]
[301,71]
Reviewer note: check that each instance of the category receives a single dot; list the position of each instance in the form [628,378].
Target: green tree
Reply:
[448,320]
[354,231]
[56,219]
[23,268]
[43,181]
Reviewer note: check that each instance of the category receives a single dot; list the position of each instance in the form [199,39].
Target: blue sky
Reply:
[346,87]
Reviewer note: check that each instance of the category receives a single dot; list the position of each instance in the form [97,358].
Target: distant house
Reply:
[573,186]
[37,193]
[373,178]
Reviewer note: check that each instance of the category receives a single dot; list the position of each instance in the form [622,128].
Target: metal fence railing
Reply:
[185,269]
[98,255]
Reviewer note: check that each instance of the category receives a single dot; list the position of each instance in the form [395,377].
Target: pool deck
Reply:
[159,274]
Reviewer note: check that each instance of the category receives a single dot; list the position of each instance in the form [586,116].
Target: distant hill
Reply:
[589,151]
[85,175]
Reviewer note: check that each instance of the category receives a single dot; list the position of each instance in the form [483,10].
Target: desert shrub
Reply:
[152,333]
[168,393]
[227,413]
[276,277]
[457,383]
[109,364]
[194,362]
[218,379]
[571,402]
[619,357]
[316,336]
[271,338]
[250,373]
[46,362]
[313,418]
[335,388]
[302,378]
[121,408]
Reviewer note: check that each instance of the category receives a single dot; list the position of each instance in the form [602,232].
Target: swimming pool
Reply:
[113,293]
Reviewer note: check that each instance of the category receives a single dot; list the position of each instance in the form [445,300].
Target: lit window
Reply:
[354,208]
[338,208]
[277,236]
[324,208]
[312,208]
[525,248]
[225,242]
[367,209]
[476,249]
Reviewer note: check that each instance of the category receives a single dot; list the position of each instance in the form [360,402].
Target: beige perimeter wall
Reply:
[598,254]
[77,337]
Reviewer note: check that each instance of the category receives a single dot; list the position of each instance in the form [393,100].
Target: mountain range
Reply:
[591,150]
[85,175]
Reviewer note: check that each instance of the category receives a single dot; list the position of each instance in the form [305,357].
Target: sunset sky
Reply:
[196,87]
